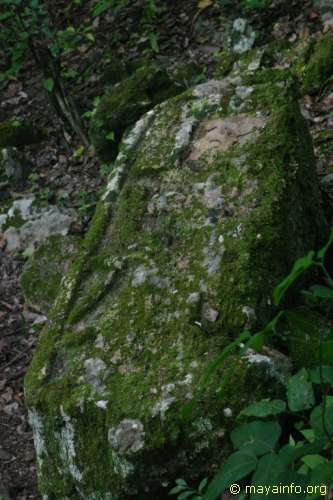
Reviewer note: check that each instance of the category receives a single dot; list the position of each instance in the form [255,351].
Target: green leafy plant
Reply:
[102,6]
[183,490]
[264,454]
[25,27]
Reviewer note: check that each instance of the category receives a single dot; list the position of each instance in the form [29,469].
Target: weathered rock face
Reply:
[25,225]
[320,67]
[212,198]
[42,274]
[15,166]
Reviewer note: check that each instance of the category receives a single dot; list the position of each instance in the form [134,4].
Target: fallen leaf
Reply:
[313,14]
[203,4]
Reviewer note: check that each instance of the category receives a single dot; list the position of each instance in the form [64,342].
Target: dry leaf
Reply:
[203,4]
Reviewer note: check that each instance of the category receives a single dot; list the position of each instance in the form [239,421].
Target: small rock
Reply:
[209,313]
[326,182]
[16,167]
[11,408]
[25,224]
[4,455]
[242,37]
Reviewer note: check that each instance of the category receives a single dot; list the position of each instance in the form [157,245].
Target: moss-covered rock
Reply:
[14,166]
[224,64]
[320,66]
[26,224]
[123,105]
[188,74]
[212,197]
[15,133]
[114,70]
[42,274]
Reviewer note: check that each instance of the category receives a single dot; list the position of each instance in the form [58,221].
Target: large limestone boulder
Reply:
[212,197]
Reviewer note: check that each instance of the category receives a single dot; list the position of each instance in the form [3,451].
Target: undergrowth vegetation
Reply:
[282,446]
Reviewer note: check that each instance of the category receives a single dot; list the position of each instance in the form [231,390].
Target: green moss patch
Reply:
[320,66]
[123,105]
[43,272]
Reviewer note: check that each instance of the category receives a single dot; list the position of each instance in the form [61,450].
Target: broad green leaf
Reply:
[308,434]
[177,489]
[90,37]
[300,392]
[153,39]
[322,473]
[322,251]
[48,84]
[6,15]
[269,468]
[289,485]
[291,454]
[299,267]
[326,372]
[181,482]
[313,461]
[202,485]
[264,408]
[239,465]
[322,423]
[256,437]
[257,340]
[110,136]
[322,292]
[181,486]
[101,7]
[186,494]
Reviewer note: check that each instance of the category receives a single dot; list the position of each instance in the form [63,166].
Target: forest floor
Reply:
[65,176]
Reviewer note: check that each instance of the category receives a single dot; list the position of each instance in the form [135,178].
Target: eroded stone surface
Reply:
[181,256]
[220,134]
[26,225]
[42,274]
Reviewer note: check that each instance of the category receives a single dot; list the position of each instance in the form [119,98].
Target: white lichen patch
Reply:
[185,130]
[36,224]
[95,370]
[213,254]
[36,423]
[100,341]
[214,90]
[250,315]
[122,164]
[102,404]
[277,364]
[165,401]
[243,36]
[66,439]
[128,437]
[202,425]
[121,466]
[141,274]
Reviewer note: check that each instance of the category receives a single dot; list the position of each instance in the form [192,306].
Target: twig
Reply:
[18,356]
